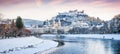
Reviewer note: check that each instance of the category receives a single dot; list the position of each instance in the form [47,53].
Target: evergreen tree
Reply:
[19,23]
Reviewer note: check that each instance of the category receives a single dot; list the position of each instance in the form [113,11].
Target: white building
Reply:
[80,24]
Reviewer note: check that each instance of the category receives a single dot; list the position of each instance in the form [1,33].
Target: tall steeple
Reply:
[12,23]
[48,23]
[53,23]
[59,22]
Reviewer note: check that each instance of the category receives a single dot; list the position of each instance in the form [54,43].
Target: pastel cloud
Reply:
[54,2]
[102,7]
[38,2]
[13,2]
[58,2]
[110,4]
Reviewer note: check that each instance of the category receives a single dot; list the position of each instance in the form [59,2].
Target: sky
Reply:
[46,9]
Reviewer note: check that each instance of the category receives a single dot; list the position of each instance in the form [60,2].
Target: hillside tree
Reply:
[19,23]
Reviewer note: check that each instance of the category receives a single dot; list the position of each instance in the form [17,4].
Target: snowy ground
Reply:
[105,36]
[25,45]
[31,45]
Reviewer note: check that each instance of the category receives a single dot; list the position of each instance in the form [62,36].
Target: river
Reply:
[85,46]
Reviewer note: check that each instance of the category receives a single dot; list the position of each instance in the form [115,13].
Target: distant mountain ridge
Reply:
[30,22]
[73,16]
[76,22]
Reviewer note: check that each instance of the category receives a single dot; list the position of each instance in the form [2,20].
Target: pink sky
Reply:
[46,9]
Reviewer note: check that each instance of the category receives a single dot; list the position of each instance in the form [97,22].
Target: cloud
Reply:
[38,2]
[106,3]
[11,1]
[101,7]
[54,2]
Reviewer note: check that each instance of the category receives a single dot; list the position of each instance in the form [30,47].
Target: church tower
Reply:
[59,22]
[12,23]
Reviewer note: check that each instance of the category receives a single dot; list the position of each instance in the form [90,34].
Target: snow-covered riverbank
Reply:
[25,45]
[31,45]
[105,36]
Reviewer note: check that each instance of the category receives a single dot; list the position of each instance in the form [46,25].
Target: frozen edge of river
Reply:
[99,36]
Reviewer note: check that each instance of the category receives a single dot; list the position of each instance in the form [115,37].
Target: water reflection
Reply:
[88,46]
[115,45]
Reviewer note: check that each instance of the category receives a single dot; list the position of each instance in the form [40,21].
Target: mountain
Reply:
[31,22]
[77,22]
[114,24]
[74,16]
[71,18]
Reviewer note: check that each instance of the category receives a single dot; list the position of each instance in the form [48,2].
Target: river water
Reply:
[86,46]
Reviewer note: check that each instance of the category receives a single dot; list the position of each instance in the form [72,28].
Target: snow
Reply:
[99,26]
[80,24]
[25,45]
[31,44]
[105,36]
